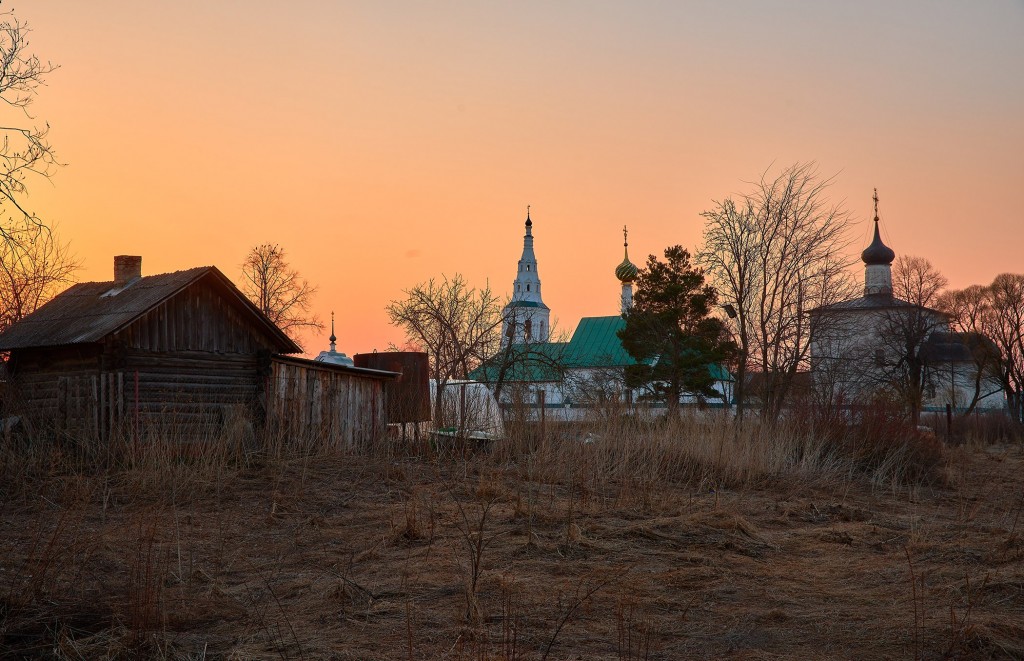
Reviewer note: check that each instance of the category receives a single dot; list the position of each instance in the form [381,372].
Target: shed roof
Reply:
[90,311]
[943,347]
[367,372]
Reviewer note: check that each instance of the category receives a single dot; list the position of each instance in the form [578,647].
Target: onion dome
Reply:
[333,356]
[626,271]
[877,253]
[529,223]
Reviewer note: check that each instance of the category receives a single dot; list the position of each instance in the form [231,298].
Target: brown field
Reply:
[690,542]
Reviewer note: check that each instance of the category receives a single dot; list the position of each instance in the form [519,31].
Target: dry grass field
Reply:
[690,541]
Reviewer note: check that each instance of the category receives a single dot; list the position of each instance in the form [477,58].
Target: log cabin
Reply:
[182,353]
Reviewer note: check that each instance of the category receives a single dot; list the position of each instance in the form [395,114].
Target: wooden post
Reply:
[949,423]
[462,410]
[136,439]
[540,400]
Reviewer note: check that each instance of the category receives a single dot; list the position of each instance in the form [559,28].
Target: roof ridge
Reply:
[145,277]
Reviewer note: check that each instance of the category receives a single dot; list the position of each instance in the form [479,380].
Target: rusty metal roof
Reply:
[89,311]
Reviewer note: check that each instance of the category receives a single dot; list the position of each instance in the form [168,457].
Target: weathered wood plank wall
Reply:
[343,409]
[197,319]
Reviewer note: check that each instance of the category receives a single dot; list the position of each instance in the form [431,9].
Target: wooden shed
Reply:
[334,404]
[180,351]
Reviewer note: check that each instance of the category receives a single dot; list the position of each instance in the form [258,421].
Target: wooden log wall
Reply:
[343,409]
[38,392]
[188,394]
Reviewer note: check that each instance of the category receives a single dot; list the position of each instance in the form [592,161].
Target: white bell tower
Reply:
[526,318]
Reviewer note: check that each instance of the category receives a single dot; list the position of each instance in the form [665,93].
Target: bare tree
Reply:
[458,326]
[34,264]
[729,258]
[25,150]
[773,257]
[904,327]
[31,274]
[973,316]
[1006,328]
[526,361]
[278,290]
[602,391]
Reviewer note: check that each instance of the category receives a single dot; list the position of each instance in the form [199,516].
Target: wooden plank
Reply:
[95,407]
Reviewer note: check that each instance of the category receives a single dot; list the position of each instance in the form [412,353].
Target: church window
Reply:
[528,327]
[527,287]
[527,267]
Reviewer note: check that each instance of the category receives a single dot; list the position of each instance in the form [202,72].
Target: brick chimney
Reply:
[127,268]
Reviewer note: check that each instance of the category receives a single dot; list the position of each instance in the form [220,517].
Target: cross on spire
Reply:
[625,236]
[875,198]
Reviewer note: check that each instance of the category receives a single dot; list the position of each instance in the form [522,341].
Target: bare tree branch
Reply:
[34,264]
[773,257]
[278,290]
[458,326]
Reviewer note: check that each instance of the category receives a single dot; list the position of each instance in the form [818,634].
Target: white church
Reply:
[854,351]
[569,379]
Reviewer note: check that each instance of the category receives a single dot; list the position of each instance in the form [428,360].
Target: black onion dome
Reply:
[877,252]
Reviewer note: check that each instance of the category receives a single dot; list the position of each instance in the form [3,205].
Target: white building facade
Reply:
[857,346]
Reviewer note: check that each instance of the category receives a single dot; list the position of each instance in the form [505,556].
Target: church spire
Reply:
[333,340]
[526,316]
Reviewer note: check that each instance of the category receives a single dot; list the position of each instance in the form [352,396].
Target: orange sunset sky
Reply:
[382,143]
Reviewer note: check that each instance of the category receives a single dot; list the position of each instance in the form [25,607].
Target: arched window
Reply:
[527,267]
[527,287]
[528,326]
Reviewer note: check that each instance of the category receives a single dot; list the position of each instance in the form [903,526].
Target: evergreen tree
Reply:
[670,331]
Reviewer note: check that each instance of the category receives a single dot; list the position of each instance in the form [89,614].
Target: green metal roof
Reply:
[596,344]
[541,361]
[526,304]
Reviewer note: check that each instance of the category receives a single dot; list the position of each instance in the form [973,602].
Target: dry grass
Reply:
[620,542]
